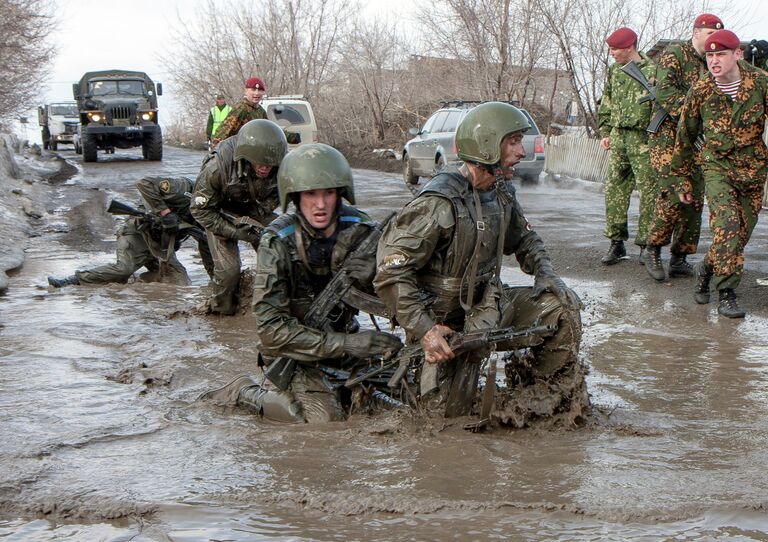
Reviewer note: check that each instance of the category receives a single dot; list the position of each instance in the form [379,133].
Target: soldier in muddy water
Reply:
[622,123]
[725,114]
[141,240]
[678,68]
[238,179]
[438,271]
[299,254]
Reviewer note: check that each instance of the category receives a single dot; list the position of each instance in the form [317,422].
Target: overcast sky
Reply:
[134,34]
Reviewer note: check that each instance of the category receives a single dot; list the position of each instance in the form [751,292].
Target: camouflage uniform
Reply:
[139,239]
[225,184]
[734,163]
[289,275]
[242,112]
[678,69]
[428,252]
[624,121]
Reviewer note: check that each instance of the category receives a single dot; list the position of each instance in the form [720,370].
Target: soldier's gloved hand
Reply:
[361,269]
[248,235]
[548,281]
[170,223]
[367,344]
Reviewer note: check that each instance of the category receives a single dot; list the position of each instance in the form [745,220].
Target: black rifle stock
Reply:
[280,371]
[633,71]
[459,343]
[120,208]
[123,209]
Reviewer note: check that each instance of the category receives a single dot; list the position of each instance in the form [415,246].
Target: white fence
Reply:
[576,157]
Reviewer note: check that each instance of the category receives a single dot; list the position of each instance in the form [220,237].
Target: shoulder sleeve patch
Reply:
[394,260]
[165,186]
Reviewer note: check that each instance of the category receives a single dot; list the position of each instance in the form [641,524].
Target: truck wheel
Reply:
[89,147]
[54,145]
[78,148]
[152,147]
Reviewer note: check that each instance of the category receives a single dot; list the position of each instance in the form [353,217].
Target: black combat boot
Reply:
[615,253]
[66,281]
[728,306]
[678,267]
[653,263]
[703,277]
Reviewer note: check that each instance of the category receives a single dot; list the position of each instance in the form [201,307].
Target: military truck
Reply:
[118,109]
[58,122]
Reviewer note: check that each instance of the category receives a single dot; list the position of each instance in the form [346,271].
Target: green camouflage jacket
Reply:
[618,106]
[677,70]
[243,112]
[219,186]
[424,253]
[162,193]
[731,129]
[285,285]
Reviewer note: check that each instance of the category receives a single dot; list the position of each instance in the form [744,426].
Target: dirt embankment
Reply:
[26,177]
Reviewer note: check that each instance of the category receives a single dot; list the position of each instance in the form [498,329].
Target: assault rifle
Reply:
[318,315]
[632,70]
[123,209]
[237,221]
[459,343]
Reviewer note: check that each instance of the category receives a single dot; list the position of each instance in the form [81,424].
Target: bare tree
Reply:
[25,52]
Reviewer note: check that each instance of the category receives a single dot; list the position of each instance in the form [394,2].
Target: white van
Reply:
[293,113]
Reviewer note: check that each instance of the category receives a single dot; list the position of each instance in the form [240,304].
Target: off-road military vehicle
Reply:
[58,122]
[118,109]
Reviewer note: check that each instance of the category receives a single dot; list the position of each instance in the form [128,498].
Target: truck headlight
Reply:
[147,115]
[96,116]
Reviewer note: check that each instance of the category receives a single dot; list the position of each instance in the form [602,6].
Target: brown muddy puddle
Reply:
[103,438]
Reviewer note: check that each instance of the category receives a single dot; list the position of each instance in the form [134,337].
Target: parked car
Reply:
[433,146]
[294,114]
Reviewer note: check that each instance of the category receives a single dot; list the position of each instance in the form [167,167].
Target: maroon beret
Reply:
[707,20]
[722,40]
[622,38]
[255,82]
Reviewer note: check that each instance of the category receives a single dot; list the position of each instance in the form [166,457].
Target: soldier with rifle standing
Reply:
[623,120]
[439,263]
[235,195]
[677,70]
[150,239]
[302,253]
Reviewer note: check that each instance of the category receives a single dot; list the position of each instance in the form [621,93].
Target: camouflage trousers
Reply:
[226,273]
[673,220]
[133,253]
[628,168]
[733,213]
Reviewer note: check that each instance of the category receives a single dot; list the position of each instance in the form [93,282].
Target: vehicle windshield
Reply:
[104,88]
[65,110]
[291,114]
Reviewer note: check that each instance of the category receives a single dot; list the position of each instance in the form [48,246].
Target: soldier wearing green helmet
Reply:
[446,246]
[238,179]
[299,253]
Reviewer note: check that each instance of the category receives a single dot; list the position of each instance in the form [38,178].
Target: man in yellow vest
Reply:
[216,115]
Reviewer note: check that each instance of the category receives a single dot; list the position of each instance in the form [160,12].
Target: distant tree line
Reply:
[26,53]
[369,80]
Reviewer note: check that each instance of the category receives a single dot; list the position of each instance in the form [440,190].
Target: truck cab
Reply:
[58,122]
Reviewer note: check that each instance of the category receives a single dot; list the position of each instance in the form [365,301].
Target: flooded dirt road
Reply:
[103,439]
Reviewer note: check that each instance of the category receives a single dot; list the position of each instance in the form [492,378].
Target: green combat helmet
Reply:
[478,137]
[314,167]
[261,141]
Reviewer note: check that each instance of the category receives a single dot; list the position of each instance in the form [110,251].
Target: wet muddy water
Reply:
[102,438]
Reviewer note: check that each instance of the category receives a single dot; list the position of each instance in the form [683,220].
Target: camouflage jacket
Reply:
[425,253]
[162,193]
[677,70]
[242,112]
[289,277]
[618,106]
[223,183]
[731,130]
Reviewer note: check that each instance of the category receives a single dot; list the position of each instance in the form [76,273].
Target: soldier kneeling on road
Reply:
[303,253]
[235,195]
[150,239]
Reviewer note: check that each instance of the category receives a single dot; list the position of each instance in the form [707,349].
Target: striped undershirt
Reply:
[731,89]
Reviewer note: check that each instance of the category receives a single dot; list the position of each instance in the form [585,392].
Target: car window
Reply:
[430,122]
[293,114]
[66,110]
[103,88]
[439,121]
[533,130]
[451,122]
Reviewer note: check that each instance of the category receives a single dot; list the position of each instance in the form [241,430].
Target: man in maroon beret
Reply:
[622,123]
[678,67]
[724,116]
[247,109]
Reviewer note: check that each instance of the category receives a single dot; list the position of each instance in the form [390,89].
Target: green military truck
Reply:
[118,109]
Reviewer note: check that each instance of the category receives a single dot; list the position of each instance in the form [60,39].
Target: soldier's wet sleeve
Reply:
[604,111]
[670,84]
[688,129]
[522,241]
[162,193]
[279,331]
[206,201]
[407,245]
[230,125]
